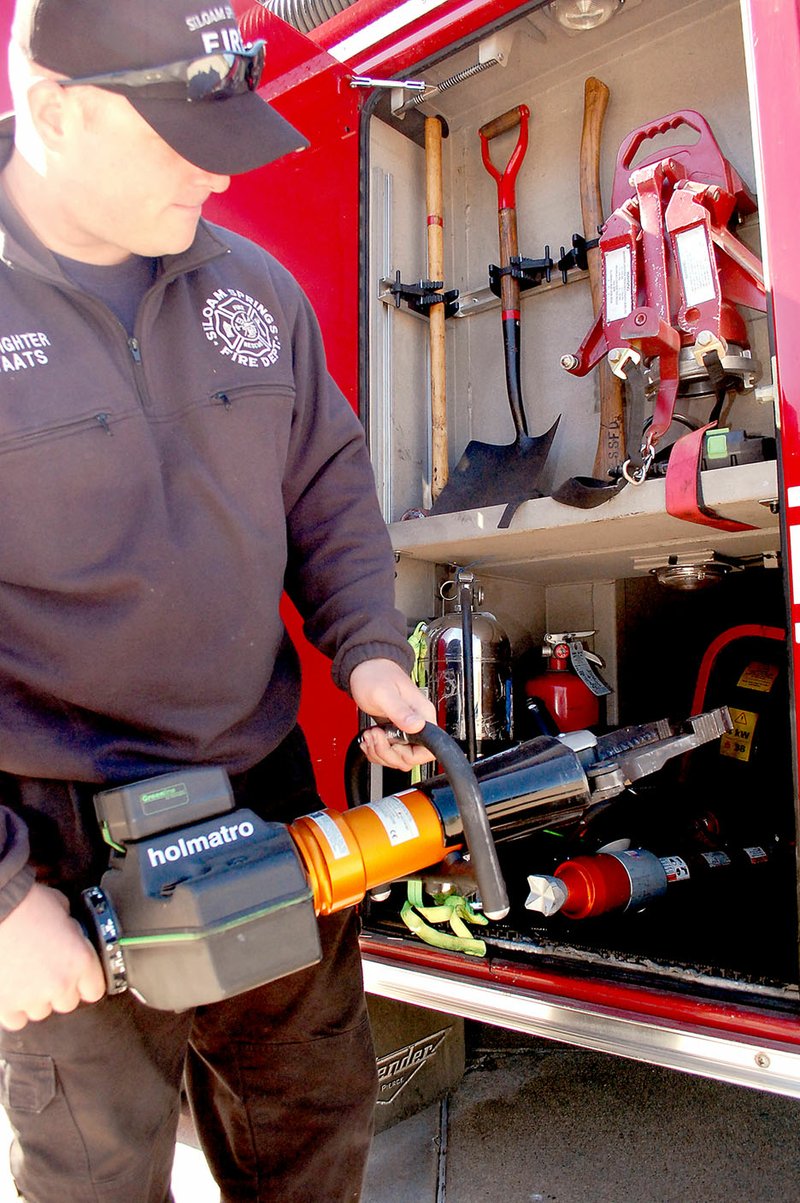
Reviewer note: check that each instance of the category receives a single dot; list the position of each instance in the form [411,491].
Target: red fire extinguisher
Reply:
[569,688]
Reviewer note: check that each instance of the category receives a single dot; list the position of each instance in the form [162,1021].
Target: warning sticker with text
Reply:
[738,742]
[397,820]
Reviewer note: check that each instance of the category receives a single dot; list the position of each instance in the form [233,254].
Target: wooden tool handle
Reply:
[503,123]
[436,331]
[509,248]
[595,103]
[611,439]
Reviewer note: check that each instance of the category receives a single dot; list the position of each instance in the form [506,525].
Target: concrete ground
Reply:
[533,1121]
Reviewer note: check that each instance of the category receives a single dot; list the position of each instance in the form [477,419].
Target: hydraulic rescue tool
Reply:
[202,900]
[673,274]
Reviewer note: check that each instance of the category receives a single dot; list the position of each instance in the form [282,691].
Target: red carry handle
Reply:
[702,160]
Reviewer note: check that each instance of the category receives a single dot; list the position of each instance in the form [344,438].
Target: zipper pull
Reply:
[223,398]
[133,346]
[102,419]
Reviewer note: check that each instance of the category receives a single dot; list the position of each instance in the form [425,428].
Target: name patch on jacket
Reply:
[21,351]
[241,328]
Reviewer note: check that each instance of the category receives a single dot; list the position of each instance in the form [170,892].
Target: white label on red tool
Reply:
[397,819]
[675,868]
[333,836]
[618,282]
[716,860]
[756,855]
[695,264]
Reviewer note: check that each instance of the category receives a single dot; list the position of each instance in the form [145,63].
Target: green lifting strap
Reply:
[450,908]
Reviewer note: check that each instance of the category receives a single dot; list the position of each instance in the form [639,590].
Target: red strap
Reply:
[684,488]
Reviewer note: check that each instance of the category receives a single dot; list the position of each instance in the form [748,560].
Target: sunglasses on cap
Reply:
[213,77]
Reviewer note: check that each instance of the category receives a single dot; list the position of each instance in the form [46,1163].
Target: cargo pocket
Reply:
[27,1082]
[48,1159]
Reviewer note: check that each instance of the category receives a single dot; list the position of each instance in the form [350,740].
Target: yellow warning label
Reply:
[739,741]
[758,676]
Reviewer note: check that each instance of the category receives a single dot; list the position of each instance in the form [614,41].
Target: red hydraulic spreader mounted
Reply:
[673,274]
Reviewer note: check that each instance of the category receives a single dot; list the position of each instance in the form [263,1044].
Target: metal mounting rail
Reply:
[767,1065]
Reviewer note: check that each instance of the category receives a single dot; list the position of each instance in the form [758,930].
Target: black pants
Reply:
[281,1079]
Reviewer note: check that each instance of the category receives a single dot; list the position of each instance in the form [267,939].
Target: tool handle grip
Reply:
[505,122]
[663,125]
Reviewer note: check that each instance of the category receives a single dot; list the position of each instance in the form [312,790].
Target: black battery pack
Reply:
[203,912]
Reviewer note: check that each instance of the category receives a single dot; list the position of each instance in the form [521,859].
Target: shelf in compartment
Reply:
[550,543]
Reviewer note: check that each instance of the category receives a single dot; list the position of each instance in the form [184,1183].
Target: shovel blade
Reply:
[488,474]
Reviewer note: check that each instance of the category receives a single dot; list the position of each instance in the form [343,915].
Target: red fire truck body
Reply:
[711,986]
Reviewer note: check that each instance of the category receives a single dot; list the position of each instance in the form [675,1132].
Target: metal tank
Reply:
[467,658]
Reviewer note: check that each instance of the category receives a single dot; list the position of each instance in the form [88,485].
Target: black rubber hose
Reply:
[356,774]
[472,811]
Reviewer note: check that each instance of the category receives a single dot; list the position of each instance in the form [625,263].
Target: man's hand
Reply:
[46,963]
[382,689]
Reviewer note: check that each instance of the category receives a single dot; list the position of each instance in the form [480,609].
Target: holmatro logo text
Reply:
[194,845]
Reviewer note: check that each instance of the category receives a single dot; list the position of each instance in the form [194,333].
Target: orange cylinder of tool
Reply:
[595,884]
[348,852]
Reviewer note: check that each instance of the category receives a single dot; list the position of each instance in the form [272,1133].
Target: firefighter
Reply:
[174,456]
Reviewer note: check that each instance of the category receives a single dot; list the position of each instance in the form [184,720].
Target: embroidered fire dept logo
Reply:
[241,328]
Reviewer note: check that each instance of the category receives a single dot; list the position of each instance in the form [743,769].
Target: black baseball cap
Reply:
[228,131]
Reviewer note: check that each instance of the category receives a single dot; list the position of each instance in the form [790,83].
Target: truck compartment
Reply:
[684,617]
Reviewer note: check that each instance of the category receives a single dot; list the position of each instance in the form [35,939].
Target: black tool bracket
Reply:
[529,272]
[576,257]
[423,295]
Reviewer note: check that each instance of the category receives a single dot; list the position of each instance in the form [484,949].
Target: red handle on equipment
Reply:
[703,160]
[507,179]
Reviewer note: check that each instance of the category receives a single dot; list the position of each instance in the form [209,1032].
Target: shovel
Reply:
[487,473]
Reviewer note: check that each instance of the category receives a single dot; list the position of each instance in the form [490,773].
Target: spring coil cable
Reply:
[450,82]
[304,15]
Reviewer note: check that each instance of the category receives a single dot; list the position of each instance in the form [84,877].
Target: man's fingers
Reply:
[92,983]
[378,748]
[411,722]
[13,1021]
[66,1002]
[39,1011]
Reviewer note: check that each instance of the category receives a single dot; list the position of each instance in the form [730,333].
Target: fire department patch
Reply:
[241,328]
